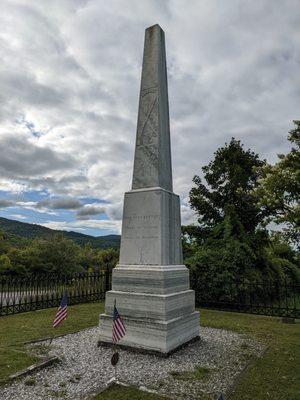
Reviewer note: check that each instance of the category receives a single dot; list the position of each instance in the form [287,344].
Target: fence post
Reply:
[107,278]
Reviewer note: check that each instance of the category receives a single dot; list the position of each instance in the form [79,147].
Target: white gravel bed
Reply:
[86,368]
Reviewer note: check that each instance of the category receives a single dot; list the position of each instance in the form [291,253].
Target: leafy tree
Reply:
[57,254]
[4,246]
[26,260]
[283,258]
[279,189]
[108,258]
[231,177]
[229,252]
[52,254]
[88,257]
[5,264]
[229,241]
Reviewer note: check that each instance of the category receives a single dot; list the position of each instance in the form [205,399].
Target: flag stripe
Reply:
[118,330]
[117,333]
[62,311]
[120,327]
[61,318]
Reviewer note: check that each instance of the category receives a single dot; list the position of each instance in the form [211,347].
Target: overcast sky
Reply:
[69,86]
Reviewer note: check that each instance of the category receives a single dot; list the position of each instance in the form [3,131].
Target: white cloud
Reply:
[6,203]
[69,83]
[32,205]
[12,186]
[82,225]
[62,203]
[188,216]
[90,209]
[17,216]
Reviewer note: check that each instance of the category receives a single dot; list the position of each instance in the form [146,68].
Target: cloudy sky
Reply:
[69,86]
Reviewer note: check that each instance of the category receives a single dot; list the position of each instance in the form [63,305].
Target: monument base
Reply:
[156,306]
[144,351]
[153,336]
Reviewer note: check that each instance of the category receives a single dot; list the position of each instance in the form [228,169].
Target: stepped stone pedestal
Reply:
[150,285]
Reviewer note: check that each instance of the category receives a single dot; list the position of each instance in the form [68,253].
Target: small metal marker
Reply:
[114,361]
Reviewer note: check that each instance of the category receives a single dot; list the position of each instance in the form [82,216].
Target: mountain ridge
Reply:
[35,231]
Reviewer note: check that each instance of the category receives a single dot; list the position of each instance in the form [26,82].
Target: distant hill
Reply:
[15,229]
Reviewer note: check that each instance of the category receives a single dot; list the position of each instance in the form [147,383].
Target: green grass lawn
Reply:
[276,376]
[19,328]
[116,392]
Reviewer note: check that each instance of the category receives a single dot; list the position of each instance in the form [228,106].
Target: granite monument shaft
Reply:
[150,284]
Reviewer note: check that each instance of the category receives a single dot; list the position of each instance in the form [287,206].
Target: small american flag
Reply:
[62,312]
[119,329]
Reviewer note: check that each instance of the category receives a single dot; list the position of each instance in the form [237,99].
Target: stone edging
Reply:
[58,336]
[113,381]
[34,367]
[231,390]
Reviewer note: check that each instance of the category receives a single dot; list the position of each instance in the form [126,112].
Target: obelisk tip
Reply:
[154,27]
[152,160]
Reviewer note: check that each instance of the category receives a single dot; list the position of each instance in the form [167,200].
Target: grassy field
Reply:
[276,376]
[19,328]
[116,392]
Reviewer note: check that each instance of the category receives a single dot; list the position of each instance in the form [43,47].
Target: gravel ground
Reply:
[86,369]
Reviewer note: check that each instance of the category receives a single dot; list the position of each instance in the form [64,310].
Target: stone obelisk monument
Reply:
[150,284]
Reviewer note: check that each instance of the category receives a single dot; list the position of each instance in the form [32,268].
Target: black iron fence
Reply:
[266,298]
[42,291]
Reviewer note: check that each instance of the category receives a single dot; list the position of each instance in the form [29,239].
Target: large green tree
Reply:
[108,258]
[59,254]
[4,246]
[5,264]
[230,178]
[56,254]
[88,257]
[229,240]
[279,189]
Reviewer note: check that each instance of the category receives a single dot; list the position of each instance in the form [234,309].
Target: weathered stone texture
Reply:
[151,228]
[152,162]
[157,279]
[150,285]
[159,336]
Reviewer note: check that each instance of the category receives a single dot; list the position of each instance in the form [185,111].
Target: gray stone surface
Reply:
[151,306]
[152,162]
[158,279]
[86,369]
[151,229]
[48,361]
[150,285]
[158,335]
